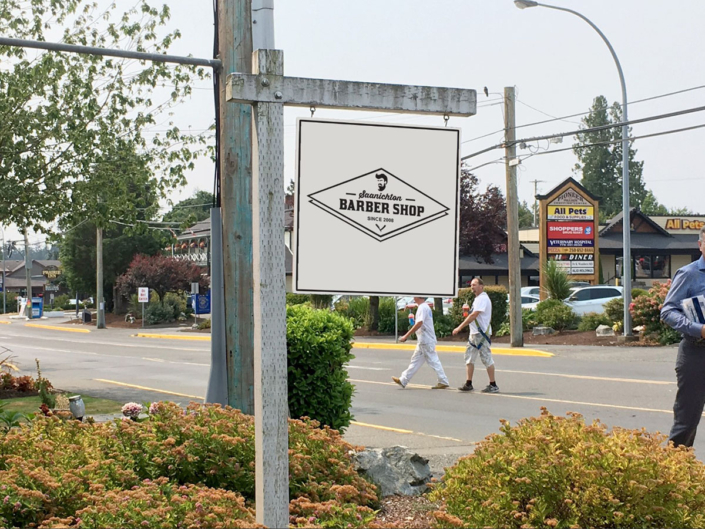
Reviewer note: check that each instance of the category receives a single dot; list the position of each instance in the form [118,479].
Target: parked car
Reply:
[530,291]
[592,298]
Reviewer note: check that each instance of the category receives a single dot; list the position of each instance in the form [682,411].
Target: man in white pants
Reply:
[425,347]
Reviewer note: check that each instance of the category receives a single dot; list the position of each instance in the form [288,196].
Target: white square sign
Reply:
[376,209]
[143,295]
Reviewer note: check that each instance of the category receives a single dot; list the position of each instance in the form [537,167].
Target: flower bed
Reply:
[130,473]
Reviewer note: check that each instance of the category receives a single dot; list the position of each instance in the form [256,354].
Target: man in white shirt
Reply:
[480,331]
[425,347]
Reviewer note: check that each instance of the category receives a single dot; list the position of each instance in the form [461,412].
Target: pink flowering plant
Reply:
[646,311]
[132,410]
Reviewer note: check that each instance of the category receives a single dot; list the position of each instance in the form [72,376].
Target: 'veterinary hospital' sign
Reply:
[376,209]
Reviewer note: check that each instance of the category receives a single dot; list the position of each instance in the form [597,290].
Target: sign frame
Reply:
[572,196]
[310,198]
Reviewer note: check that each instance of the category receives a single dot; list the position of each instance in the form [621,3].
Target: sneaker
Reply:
[440,386]
[466,387]
[395,379]
[491,389]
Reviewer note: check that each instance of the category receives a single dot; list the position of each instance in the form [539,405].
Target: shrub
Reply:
[498,297]
[560,472]
[158,313]
[205,324]
[61,301]
[614,310]
[320,301]
[528,319]
[592,320]
[297,299]
[636,292]
[357,309]
[646,311]
[10,302]
[504,330]
[318,348]
[150,503]
[55,470]
[556,282]
[555,314]
[442,325]
[387,308]
[176,303]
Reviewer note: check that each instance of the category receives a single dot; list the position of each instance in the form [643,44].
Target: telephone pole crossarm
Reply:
[323,93]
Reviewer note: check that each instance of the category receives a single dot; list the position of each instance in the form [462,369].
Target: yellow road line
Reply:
[173,337]
[586,377]
[135,386]
[410,432]
[5,322]
[55,328]
[522,397]
[508,351]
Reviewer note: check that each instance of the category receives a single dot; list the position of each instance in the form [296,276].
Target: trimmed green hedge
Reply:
[318,346]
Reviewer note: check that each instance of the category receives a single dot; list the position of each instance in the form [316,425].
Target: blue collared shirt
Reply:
[689,281]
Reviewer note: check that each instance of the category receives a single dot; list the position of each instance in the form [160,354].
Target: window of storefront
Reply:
[652,266]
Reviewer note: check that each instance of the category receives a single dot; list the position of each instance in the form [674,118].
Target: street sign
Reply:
[376,209]
[143,294]
[194,287]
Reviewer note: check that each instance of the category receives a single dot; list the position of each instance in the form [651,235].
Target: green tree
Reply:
[600,160]
[192,210]
[526,215]
[651,206]
[62,110]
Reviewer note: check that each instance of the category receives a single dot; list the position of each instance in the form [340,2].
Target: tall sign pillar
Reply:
[568,232]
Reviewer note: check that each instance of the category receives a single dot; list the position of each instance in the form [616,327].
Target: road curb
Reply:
[55,328]
[507,351]
[173,337]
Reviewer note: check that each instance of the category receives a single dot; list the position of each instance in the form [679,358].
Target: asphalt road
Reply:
[631,387]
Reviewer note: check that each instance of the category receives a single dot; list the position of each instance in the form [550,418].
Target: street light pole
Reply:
[4,285]
[626,221]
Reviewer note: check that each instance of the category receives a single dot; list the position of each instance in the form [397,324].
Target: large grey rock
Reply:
[395,470]
[604,330]
[538,331]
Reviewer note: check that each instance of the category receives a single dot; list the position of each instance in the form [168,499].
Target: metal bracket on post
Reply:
[271,407]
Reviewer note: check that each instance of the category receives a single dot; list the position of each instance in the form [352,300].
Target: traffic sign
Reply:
[143,294]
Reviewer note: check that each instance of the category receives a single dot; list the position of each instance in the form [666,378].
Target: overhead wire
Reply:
[564,118]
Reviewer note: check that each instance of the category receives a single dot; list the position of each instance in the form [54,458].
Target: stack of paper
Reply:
[694,308]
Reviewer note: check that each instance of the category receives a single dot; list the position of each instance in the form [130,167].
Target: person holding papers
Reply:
[684,311]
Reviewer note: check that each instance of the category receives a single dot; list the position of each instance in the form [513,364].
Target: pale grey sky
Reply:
[556,62]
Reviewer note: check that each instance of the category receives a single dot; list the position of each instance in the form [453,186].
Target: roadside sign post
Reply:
[143,297]
[267,90]
[194,293]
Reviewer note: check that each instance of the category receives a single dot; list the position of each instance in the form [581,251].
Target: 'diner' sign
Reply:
[568,231]
[376,209]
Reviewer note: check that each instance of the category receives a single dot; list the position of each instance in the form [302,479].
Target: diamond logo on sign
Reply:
[379,204]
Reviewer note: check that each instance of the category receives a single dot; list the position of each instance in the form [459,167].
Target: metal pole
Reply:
[217,391]
[513,261]
[100,318]
[90,50]
[28,275]
[626,220]
[262,24]
[143,304]
[4,285]
[235,43]
[396,321]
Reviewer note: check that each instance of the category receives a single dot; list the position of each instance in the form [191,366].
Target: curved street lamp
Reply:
[626,224]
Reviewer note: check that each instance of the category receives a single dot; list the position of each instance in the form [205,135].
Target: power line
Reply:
[564,118]
[592,129]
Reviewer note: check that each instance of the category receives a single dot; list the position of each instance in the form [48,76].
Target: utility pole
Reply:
[28,274]
[4,274]
[235,54]
[513,261]
[536,200]
[100,318]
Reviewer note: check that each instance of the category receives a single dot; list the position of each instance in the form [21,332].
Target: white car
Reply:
[592,298]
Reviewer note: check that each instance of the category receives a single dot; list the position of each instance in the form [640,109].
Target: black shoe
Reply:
[466,387]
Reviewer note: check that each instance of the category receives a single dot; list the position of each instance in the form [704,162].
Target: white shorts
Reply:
[478,346]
